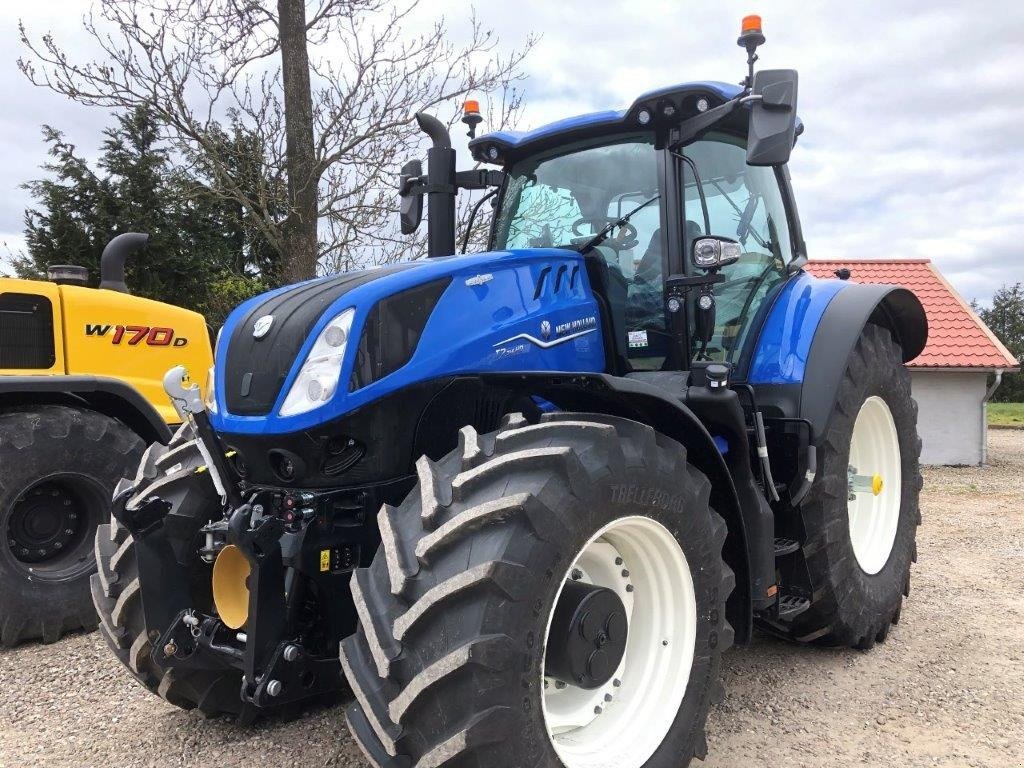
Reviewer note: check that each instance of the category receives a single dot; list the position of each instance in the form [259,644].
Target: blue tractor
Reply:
[533,494]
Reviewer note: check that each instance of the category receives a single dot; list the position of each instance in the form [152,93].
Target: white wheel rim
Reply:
[655,668]
[874,455]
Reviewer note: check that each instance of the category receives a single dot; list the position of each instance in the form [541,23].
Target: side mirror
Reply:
[411,207]
[772,117]
[714,252]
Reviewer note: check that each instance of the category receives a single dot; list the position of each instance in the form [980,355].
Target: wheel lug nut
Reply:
[577,574]
[597,710]
[69,531]
[607,697]
[559,684]
[616,682]
[625,573]
[618,561]
[629,587]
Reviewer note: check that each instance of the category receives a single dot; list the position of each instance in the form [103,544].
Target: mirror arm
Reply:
[695,126]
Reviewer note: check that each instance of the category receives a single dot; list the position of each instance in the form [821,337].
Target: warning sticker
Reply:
[637,339]
[325,560]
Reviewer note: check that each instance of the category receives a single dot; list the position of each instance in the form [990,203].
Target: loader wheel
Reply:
[862,513]
[171,473]
[548,595]
[58,467]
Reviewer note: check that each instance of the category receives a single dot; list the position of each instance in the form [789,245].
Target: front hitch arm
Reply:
[260,542]
[162,581]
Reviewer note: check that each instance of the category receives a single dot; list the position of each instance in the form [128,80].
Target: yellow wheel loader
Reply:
[81,396]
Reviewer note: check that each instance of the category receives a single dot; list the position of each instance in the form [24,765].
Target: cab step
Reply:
[791,606]
[785,547]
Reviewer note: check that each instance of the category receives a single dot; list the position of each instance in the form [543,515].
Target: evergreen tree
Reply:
[1006,320]
[203,251]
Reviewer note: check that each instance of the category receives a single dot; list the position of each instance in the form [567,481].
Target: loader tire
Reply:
[58,468]
[859,551]
[451,664]
[169,472]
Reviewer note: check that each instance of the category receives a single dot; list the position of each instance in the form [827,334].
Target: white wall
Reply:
[951,416]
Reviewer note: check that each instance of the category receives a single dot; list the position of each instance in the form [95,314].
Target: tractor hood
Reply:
[491,312]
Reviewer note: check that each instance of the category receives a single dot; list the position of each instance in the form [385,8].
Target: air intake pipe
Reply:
[441,187]
[112,260]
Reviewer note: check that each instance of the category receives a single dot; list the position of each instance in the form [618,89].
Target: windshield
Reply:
[565,199]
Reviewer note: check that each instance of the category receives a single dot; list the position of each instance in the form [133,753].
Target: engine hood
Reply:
[490,312]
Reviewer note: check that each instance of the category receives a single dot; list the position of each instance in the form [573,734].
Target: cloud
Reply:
[913,109]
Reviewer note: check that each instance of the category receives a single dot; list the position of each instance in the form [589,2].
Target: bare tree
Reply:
[328,87]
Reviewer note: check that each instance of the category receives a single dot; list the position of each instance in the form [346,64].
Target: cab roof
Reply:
[503,147]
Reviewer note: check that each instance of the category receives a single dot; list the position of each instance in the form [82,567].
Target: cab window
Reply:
[742,202]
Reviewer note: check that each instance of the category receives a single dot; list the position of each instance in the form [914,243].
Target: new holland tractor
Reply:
[535,493]
[81,396]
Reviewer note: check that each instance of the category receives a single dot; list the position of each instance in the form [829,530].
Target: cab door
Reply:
[724,196]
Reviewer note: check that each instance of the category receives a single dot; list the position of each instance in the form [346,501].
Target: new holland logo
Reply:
[563,332]
[262,326]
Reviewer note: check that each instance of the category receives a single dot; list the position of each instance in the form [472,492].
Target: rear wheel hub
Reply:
[587,637]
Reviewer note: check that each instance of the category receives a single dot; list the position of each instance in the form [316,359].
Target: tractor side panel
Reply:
[494,312]
[30,328]
[134,339]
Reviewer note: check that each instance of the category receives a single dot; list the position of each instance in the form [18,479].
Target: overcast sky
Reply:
[914,111]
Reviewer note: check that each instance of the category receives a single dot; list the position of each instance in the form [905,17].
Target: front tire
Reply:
[448,665]
[175,473]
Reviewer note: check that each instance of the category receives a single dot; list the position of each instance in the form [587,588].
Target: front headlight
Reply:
[318,378]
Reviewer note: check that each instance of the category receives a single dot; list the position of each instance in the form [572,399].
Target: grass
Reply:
[1006,414]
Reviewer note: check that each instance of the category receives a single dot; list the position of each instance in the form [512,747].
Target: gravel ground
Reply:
[946,689]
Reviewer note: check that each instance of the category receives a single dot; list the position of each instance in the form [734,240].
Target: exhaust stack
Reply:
[441,188]
[114,255]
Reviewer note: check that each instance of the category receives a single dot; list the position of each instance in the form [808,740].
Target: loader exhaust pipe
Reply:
[441,189]
[114,255]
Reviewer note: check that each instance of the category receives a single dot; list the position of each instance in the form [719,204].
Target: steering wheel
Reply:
[626,238]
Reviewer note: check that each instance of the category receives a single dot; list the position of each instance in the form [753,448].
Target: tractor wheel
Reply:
[861,516]
[58,467]
[548,595]
[171,473]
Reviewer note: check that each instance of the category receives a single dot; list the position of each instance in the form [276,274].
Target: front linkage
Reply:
[283,608]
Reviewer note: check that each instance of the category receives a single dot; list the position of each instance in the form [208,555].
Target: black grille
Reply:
[393,330]
[26,331]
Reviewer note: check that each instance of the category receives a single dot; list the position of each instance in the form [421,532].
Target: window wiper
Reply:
[601,236]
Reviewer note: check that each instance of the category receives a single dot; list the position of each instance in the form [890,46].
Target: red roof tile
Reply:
[957,338]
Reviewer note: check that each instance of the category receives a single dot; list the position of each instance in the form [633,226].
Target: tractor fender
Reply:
[841,325]
[111,397]
[644,402]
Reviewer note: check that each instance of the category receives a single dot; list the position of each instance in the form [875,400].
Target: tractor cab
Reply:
[670,199]
[680,203]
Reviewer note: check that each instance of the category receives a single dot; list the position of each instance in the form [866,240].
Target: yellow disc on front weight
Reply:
[230,586]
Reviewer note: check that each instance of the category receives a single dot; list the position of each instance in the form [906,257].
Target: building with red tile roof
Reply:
[960,367]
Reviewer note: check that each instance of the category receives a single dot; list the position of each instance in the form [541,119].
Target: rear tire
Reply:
[58,469]
[448,662]
[860,576]
[169,472]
